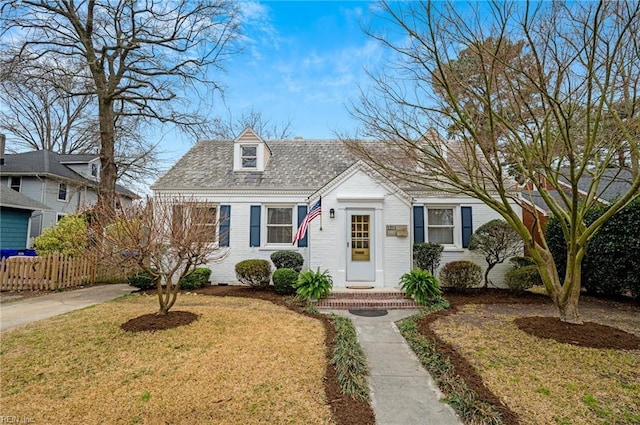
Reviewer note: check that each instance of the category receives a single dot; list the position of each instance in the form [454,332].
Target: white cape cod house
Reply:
[261,191]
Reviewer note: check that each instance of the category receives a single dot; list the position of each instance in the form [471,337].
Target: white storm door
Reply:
[360,246]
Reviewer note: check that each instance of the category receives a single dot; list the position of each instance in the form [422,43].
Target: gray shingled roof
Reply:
[295,164]
[12,199]
[46,162]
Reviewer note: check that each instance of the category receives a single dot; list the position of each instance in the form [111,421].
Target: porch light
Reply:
[332,213]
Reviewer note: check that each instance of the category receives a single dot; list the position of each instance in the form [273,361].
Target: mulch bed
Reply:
[153,322]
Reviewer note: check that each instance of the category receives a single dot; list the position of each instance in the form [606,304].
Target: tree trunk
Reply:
[108,172]
[486,275]
[565,296]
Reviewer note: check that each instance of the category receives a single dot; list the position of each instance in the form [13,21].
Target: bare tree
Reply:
[142,59]
[41,115]
[497,241]
[542,110]
[168,237]
[230,127]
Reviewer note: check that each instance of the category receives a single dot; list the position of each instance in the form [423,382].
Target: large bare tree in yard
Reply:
[140,58]
[546,91]
[167,237]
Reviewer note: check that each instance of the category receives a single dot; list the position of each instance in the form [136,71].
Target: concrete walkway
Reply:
[27,310]
[402,392]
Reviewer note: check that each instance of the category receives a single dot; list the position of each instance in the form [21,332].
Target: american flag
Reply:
[315,211]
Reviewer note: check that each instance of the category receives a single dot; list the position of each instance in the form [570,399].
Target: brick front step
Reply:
[358,304]
[366,300]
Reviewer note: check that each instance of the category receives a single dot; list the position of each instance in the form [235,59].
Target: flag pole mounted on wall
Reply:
[316,210]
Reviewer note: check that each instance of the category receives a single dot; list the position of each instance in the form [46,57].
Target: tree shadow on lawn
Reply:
[345,410]
[589,334]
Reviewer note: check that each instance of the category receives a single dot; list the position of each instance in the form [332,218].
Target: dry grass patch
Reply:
[543,381]
[243,361]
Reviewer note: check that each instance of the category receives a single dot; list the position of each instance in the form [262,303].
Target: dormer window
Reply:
[249,156]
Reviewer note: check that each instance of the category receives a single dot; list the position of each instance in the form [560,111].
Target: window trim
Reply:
[455,227]
[66,192]
[11,185]
[265,224]
[243,156]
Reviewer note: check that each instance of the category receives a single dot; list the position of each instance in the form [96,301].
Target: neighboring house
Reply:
[262,191]
[65,184]
[535,212]
[15,218]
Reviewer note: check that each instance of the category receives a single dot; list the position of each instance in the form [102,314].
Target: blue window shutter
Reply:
[225,224]
[254,226]
[302,212]
[418,224]
[467,226]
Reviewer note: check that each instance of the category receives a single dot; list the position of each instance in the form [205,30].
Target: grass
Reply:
[244,361]
[543,381]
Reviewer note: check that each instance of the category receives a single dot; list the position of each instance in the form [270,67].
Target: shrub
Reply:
[518,262]
[520,279]
[426,256]
[460,275]
[196,279]
[314,285]
[68,237]
[350,360]
[143,280]
[287,259]
[420,284]
[284,280]
[255,273]
[611,264]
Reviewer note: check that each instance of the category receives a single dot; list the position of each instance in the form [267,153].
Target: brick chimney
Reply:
[2,142]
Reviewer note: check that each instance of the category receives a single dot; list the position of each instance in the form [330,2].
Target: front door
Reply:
[360,244]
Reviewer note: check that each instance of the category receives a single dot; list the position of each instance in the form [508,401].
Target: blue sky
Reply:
[302,62]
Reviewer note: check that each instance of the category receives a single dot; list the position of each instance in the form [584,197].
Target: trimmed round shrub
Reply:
[256,273]
[520,279]
[283,281]
[461,275]
[287,260]
[196,279]
[142,280]
[426,256]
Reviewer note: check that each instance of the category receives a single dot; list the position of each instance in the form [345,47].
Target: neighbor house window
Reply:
[440,225]
[249,156]
[94,170]
[279,225]
[59,217]
[15,183]
[195,220]
[62,192]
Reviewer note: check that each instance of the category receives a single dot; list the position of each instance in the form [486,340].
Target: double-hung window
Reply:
[279,225]
[62,191]
[15,183]
[196,220]
[440,225]
[249,156]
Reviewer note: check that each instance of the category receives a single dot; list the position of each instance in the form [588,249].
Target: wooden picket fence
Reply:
[56,271]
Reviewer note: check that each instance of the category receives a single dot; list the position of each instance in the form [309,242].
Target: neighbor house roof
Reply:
[13,199]
[42,162]
[613,183]
[302,164]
